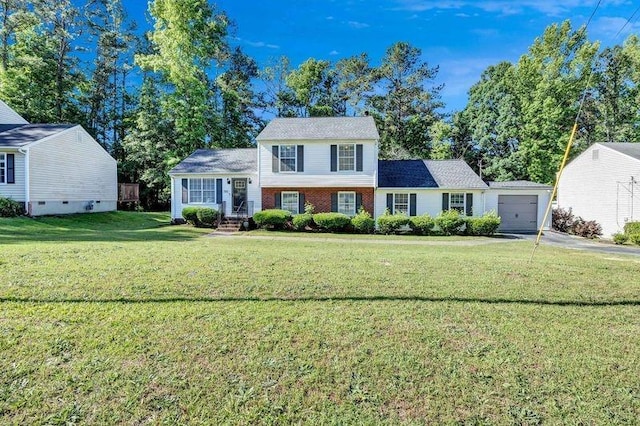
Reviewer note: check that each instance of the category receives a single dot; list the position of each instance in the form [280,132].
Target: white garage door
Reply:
[518,212]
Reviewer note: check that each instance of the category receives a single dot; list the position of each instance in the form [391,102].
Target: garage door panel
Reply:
[518,212]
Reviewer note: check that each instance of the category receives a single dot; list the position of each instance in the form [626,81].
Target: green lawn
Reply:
[116,318]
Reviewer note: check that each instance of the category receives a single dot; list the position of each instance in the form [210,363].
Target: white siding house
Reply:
[603,184]
[54,168]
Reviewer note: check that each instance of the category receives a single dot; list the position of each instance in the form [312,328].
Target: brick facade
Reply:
[319,197]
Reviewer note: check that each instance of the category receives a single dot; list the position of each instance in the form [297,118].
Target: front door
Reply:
[239,195]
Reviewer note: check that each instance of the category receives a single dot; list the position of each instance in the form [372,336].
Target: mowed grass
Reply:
[117,318]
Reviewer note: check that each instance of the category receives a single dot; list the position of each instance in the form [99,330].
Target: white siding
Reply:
[15,191]
[491,201]
[253,192]
[317,166]
[428,201]
[9,116]
[71,166]
[600,189]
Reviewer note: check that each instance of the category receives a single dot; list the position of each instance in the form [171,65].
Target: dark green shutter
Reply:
[412,204]
[11,168]
[219,191]
[445,201]
[278,200]
[469,204]
[334,202]
[334,158]
[185,191]
[358,201]
[300,203]
[275,159]
[300,160]
[390,203]
[359,158]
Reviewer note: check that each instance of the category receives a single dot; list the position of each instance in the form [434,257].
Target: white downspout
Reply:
[27,193]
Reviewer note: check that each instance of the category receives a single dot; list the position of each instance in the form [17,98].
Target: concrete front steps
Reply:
[230,225]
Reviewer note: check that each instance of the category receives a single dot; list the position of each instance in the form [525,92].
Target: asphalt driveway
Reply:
[558,239]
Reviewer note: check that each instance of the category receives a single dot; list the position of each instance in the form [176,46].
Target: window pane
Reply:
[2,168]
[457,202]
[287,158]
[401,203]
[209,190]
[289,202]
[195,190]
[346,157]
[347,203]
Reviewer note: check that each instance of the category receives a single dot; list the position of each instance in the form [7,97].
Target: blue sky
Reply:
[462,37]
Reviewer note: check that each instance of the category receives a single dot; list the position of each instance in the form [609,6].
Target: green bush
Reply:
[10,208]
[392,223]
[206,217]
[302,221]
[635,238]
[332,222]
[363,222]
[421,225]
[450,222]
[272,218]
[620,238]
[486,225]
[190,214]
[632,228]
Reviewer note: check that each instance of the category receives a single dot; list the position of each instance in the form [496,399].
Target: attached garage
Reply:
[520,204]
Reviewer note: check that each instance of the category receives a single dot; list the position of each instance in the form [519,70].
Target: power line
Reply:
[626,23]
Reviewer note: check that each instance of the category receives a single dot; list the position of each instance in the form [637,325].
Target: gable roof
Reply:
[320,128]
[446,174]
[518,184]
[628,148]
[17,135]
[238,160]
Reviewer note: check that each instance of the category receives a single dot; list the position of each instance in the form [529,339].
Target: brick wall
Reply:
[319,197]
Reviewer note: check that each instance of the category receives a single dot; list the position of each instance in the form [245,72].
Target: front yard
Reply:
[115,319]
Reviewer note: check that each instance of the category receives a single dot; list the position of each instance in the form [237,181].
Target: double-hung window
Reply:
[346,157]
[3,167]
[401,203]
[288,158]
[347,203]
[456,201]
[289,201]
[202,190]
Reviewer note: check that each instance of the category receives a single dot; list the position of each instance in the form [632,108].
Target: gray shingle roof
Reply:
[239,160]
[446,174]
[16,136]
[518,184]
[631,149]
[454,174]
[358,128]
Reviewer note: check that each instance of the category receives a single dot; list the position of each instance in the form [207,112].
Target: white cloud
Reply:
[261,44]
[357,25]
[504,7]
[608,27]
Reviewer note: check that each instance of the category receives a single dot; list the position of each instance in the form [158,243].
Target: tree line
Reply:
[151,100]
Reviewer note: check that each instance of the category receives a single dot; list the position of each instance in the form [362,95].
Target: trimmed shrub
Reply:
[272,219]
[302,221]
[486,225]
[206,217]
[562,220]
[634,239]
[587,228]
[450,222]
[620,238]
[332,222]
[10,208]
[190,214]
[309,208]
[632,228]
[391,223]
[421,225]
[363,222]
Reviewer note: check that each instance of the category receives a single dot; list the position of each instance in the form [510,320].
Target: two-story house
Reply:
[332,163]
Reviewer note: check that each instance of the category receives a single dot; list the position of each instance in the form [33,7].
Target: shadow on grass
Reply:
[105,236]
[304,299]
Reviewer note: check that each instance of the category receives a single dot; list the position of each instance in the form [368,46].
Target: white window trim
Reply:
[3,170]
[464,201]
[295,156]
[355,208]
[354,157]
[189,180]
[395,209]
[297,206]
